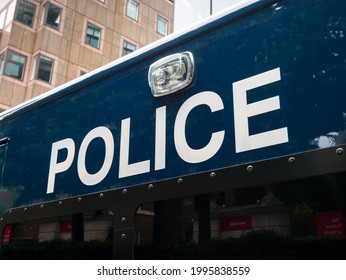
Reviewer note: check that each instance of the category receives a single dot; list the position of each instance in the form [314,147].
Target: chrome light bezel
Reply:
[171,74]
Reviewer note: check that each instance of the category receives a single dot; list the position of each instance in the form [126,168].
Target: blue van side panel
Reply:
[305,39]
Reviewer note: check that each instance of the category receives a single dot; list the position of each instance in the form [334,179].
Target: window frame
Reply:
[5,62]
[36,68]
[123,48]
[94,26]
[103,3]
[160,18]
[44,16]
[127,10]
[33,15]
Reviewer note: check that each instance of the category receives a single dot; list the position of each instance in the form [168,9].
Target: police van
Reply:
[252,96]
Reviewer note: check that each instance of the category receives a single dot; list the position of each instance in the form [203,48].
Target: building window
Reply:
[162,26]
[42,68]
[10,12]
[12,64]
[93,35]
[51,15]
[132,9]
[25,12]
[2,19]
[101,2]
[128,48]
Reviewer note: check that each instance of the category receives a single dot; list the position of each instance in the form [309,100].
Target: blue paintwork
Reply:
[305,38]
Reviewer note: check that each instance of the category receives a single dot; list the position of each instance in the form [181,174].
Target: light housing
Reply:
[171,73]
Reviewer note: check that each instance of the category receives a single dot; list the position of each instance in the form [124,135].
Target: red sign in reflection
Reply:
[7,235]
[236,223]
[65,226]
[330,224]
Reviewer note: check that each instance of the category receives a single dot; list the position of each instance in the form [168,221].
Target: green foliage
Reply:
[256,245]
[303,221]
[57,250]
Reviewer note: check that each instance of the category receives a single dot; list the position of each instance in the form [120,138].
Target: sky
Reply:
[187,12]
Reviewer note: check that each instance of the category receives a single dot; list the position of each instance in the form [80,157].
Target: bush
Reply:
[261,245]
[57,250]
[256,245]
[303,221]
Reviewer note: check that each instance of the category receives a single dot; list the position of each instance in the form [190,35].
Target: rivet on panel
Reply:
[123,219]
[339,151]
[151,186]
[101,195]
[41,206]
[249,168]
[25,209]
[180,180]
[123,236]
[79,199]
[60,203]
[124,191]
[291,160]
[212,175]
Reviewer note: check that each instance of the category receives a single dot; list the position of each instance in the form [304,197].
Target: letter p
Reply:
[58,167]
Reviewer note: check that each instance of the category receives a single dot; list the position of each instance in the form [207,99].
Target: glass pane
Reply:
[162,26]
[25,12]
[132,9]
[2,62]
[13,70]
[2,19]
[128,48]
[10,12]
[15,65]
[44,69]
[53,16]
[33,69]
[16,58]
[43,16]
[93,35]
[93,42]
[97,33]
[90,30]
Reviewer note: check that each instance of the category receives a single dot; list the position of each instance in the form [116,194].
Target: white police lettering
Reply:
[54,166]
[243,140]
[243,110]
[186,153]
[160,138]
[126,169]
[106,135]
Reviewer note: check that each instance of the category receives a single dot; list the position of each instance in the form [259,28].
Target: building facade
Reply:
[44,44]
